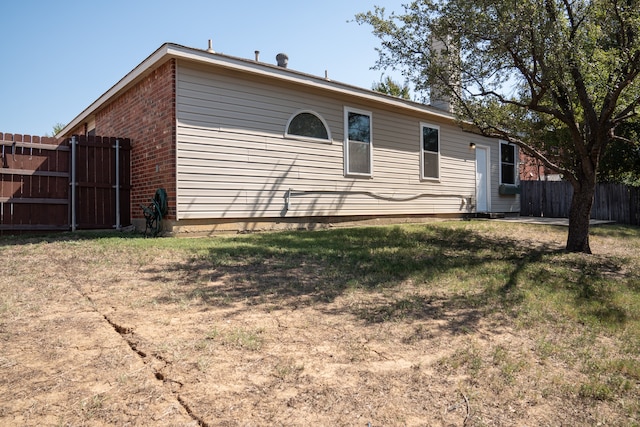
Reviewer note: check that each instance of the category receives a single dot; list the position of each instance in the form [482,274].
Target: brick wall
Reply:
[532,169]
[145,113]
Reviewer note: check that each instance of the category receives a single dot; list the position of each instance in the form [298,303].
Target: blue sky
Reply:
[58,57]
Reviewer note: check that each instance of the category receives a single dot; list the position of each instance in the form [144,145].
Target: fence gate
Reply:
[51,185]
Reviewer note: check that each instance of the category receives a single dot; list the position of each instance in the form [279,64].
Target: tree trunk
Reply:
[579,217]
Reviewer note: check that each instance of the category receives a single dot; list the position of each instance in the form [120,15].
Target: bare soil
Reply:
[93,335]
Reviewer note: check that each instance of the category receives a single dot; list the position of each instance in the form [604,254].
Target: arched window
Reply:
[308,125]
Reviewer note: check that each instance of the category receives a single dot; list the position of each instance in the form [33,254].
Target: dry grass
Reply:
[454,323]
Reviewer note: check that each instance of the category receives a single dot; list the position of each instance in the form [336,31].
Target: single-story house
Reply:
[241,144]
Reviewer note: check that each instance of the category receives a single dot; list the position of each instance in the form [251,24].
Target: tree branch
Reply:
[493,131]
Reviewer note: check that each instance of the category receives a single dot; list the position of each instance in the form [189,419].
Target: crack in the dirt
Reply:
[184,404]
[128,336]
[140,352]
[124,331]
[161,358]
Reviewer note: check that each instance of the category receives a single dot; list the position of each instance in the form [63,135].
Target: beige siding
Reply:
[500,203]
[233,160]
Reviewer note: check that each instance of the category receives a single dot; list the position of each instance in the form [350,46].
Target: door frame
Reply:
[487,167]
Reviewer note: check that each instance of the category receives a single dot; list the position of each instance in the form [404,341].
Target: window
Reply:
[507,163]
[358,146]
[429,151]
[308,124]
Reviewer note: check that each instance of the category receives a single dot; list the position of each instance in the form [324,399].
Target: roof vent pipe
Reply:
[257,52]
[210,50]
[283,60]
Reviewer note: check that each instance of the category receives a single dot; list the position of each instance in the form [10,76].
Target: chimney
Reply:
[443,52]
[257,52]
[210,50]
[283,60]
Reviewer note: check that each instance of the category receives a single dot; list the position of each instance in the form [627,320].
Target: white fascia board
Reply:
[170,50]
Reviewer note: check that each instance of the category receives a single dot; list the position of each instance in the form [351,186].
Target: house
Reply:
[532,169]
[241,144]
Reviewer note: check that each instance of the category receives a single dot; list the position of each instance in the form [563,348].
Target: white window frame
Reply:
[422,151]
[515,163]
[288,135]
[347,172]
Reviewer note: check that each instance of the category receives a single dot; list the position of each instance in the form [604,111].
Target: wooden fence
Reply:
[612,202]
[77,183]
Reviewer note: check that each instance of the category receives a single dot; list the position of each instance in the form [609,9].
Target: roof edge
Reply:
[171,50]
[129,78]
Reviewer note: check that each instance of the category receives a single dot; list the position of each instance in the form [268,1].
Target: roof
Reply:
[171,50]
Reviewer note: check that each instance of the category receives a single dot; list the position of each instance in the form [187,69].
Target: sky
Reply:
[57,57]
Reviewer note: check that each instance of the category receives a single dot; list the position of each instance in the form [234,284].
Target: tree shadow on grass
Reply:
[595,286]
[293,269]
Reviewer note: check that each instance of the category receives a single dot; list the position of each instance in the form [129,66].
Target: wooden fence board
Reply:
[95,179]
[612,202]
[35,182]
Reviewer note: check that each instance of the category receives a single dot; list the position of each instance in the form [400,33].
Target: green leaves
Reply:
[556,77]
[566,60]
[390,87]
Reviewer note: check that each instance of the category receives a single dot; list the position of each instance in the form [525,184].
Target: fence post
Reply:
[118,226]
[73,183]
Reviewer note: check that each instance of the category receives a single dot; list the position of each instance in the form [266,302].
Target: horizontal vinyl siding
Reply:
[500,203]
[233,160]
[245,105]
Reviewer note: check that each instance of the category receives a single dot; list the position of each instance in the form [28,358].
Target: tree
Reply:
[621,161]
[390,87]
[57,128]
[556,77]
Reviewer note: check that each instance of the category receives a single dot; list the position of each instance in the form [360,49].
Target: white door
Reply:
[482,179]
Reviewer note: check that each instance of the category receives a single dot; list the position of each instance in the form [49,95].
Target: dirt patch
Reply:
[94,335]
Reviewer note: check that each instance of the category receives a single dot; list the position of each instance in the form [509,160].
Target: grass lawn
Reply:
[446,323]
